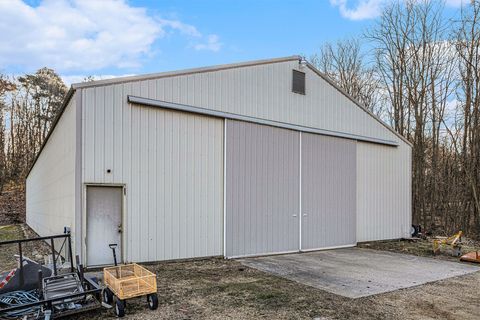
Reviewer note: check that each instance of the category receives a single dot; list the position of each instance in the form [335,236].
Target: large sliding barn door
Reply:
[262,189]
[328,192]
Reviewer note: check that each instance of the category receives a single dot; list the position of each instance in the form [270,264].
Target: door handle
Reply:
[119,228]
[304,214]
[294,216]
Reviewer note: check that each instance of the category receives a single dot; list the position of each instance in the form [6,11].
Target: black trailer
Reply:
[57,295]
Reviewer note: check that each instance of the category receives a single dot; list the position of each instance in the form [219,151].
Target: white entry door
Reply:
[104,224]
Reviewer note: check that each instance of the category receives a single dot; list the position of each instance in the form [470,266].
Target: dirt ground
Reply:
[12,204]
[225,289]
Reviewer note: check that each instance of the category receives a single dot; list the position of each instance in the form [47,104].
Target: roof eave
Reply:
[333,84]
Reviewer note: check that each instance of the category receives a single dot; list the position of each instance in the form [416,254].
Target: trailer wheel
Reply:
[152,300]
[107,296]
[119,308]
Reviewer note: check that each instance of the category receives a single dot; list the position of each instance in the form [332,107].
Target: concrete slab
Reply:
[356,272]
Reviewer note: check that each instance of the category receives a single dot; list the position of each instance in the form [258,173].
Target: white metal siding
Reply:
[172,165]
[263,165]
[51,183]
[383,192]
[328,192]
[128,139]
[264,91]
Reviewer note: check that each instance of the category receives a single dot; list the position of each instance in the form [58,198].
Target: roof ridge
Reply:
[174,73]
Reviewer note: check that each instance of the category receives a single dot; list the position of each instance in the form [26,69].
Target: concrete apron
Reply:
[356,272]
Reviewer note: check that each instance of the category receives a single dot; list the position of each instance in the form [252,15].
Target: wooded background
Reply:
[414,68]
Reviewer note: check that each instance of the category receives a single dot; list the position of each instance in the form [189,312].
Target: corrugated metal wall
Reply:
[50,186]
[129,140]
[328,192]
[172,166]
[264,91]
[262,199]
[383,192]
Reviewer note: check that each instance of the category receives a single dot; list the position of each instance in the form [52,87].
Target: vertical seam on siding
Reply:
[300,193]
[225,188]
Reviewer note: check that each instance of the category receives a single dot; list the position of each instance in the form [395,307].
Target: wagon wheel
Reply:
[120,308]
[152,300]
[107,296]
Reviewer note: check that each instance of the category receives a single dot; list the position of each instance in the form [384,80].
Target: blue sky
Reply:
[113,38]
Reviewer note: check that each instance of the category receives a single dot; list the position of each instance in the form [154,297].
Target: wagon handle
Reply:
[113,246]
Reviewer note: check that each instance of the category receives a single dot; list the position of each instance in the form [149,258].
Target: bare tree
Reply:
[5,86]
[344,64]
[415,63]
[467,47]
[34,102]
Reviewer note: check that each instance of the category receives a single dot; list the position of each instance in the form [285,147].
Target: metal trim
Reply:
[78,174]
[181,72]
[300,193]
[330,248]
[290,252]
[225,187]
[357,103]
[263,254]
[233,116]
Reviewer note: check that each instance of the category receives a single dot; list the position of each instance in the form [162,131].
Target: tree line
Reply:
[414,68]
[28,107]
[419,71]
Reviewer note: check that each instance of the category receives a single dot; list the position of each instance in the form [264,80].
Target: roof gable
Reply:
[262,89]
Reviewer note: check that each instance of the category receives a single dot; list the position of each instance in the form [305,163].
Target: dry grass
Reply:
[33,250]
[421,247]
[225,289]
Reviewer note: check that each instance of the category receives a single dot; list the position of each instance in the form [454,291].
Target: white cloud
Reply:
[70,35]
[213,44]
[362,9]
[369,9]
[456,3]
[182,27]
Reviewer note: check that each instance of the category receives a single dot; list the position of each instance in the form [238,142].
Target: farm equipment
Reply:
[128,281]
[49,295]
[454,242]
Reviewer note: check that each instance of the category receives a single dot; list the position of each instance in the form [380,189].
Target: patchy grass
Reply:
[33,250]
[11,232]
[7,252]
[225,289]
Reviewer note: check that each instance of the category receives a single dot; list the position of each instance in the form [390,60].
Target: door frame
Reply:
[122,218]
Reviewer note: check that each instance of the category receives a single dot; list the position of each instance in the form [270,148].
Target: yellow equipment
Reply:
[453,241]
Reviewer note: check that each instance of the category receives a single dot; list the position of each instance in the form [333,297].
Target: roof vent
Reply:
[298,82]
